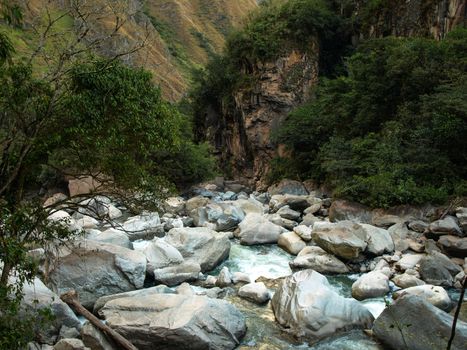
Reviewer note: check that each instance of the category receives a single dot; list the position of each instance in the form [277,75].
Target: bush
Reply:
[392,130]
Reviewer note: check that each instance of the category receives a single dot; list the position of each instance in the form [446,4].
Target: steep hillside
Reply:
[178,35]
[272,65]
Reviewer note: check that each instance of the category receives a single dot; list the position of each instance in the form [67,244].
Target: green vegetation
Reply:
[390,131]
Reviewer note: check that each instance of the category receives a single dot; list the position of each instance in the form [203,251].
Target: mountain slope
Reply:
[179,35]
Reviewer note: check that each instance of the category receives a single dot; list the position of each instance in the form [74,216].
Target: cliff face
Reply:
[178,35]
[242,134]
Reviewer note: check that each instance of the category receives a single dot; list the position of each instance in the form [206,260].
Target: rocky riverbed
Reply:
[224,268]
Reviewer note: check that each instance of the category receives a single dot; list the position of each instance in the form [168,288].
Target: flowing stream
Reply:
[271,262]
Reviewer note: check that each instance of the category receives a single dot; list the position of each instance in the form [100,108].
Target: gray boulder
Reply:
[160,254]
[317,259]
[70,344]
[176,274]
[461,214]
[255,292]
[306,303]
[256,229]
[287,213]
[453,245]
[341,210]
[96,269]
[94,339]
[446,226]
[344,239]
[379,240]
[288,187]
[200,245]
[412,323]
[435,295]
[303,231]
[406,281]
[144,226]
[436,268]
[111,236]
[370,285]
[176,322]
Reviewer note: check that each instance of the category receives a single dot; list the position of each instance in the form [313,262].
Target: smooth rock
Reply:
[454,246]
[307,305]
[160,254]
[446,226]
[412,323]
[309,219]
[370,285]
[418,226]
[195,203]
[256,229]
[341,210]
[144,226]
[96,269]
[94,339]
[303,231]
[378,240]
[408,261]
[70,344]
[287,186]
[461,214]
[436,268]
[435,295]
[111,236]
[176,322]
[201,245]
[291,242]
[240,277]
[287,213]
[176,274]
[317,259]
[406,281]
[256,292]
[224,279]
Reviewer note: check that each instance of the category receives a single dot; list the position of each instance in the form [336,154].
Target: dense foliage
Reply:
[392,130]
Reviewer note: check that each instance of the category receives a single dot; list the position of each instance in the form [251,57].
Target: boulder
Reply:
[70,344]
[418,226]
[298,203]
[250,205]
[287,213]
[240,277]
[280,221]
[144,226]
[160,254]
[111,236]
[304,232]
[174,205]
[453,245]
[176,274]
[195,203]
[435,295]
[461,214]
[287,186]
[378,240]
[36,296]
[94,339]
[406,281]
[341,210]
[309,219]
[114,212]
[317,259]
[55,199]
[344,239]
[436,268]
[385,220]
[200,245]
[411,323]
[256,229]
[160,289]
[446,226]
[225,278]
[96,269]
[306,303]
[408,261]
[255,292]
[370,285]
[87,222]
[176,322]
[291,242]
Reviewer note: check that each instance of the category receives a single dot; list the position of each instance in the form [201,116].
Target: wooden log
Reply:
[72,299]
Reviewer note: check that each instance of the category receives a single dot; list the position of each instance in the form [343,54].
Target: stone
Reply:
[317,259]
[173,321]
[454,246]
[370,285]
[314,208]
[250,205]
[409,261]
[94,339]
[176,274]
[436,268]
[210,281]
[461,214]
[195,203]
[406,281]
[287,186]
[256,229]
[400,235]
[160,289]
[62,217]
[298,203]
[96,269]
[291,242]
[144,226]
[287,213]
[70,344]
[238,277]
[341,210]
[55,199]
[280,221]
[344,239]
[411,323]
[379,241]
[200,245]
[224,279]
[174,205]
[36,296]
[418,226]
[306,304]
[309,219]
[435,295]
[304,232]
[446,226]
[385,220]
[255,292]
[114,212]
[87,222]
[185,289]
[111,236]
[82,185]
[160,254]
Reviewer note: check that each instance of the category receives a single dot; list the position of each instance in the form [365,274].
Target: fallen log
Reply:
[72,299]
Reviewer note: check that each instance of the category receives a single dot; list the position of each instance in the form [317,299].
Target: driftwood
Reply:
[71,298]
